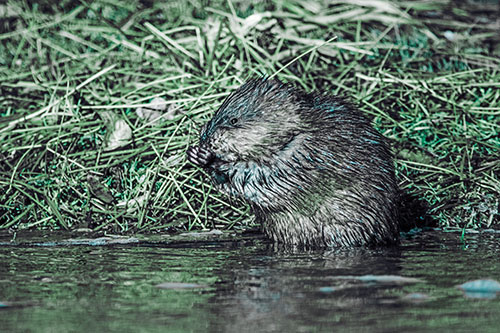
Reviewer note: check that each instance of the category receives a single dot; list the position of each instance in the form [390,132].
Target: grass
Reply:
[99,101]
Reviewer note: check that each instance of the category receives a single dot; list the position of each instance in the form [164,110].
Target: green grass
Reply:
[76,152]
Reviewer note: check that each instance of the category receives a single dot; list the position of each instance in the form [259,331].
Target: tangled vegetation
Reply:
[100,100]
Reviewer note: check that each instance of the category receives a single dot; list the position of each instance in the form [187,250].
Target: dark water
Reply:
[246,286]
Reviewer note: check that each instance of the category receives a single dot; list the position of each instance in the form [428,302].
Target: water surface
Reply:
[246,286]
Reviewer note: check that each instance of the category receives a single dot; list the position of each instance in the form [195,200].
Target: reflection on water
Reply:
[249,287]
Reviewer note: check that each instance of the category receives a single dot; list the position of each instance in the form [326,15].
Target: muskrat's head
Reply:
[254,122]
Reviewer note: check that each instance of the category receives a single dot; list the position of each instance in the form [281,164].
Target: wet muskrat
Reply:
[312,168]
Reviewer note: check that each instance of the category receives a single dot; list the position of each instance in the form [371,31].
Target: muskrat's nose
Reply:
[203,137]
[206,132]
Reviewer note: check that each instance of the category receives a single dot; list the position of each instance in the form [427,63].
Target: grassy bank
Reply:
[99,101]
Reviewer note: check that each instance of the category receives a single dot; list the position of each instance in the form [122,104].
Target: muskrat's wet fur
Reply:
[312,168]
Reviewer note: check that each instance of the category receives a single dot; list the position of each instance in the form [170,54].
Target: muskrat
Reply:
[312,168]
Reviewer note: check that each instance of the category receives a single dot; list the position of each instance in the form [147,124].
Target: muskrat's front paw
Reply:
[192,155]
[200,156]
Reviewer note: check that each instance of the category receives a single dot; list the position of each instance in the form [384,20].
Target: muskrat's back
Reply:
[311,166]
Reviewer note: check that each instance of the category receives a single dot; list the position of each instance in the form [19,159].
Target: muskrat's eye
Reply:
[233,121]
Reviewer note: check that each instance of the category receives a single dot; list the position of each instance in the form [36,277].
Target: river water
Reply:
[242,284]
